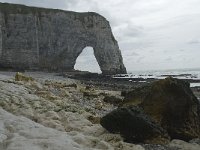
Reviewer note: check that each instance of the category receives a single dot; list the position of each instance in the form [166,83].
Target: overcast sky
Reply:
[152,34]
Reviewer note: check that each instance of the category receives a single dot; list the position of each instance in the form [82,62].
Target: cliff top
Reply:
[23,9]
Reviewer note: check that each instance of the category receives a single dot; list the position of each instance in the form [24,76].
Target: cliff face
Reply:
[48,39]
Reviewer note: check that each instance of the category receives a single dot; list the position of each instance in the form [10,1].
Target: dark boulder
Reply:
[170,103]
[133,125]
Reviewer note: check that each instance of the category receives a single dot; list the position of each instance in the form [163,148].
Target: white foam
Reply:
[193,75]
[194,84]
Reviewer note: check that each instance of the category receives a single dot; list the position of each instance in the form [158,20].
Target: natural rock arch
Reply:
[87,61]
[48,39]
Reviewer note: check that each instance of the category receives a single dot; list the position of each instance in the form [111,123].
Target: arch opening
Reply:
[87,61]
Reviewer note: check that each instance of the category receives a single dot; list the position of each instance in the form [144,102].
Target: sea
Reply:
[192,75]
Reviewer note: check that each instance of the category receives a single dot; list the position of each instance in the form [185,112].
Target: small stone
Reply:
[21,77]
[98,105]
[94,119]
[3,137]
[196,141]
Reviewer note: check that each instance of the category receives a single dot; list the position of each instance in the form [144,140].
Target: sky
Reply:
[152,34]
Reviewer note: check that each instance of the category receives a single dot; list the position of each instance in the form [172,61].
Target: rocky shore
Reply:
[52,111]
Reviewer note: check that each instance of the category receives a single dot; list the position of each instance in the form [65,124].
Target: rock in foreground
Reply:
[170,104]
[134,125]
[19,133]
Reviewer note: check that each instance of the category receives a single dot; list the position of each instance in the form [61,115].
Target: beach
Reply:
[55,112]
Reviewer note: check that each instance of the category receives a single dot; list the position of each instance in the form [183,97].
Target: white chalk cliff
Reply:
[49,39]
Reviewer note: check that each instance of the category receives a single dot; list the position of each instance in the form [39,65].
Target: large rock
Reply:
[170,103]
[134,126]
[48,39]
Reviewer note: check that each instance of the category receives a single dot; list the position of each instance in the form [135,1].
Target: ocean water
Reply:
[191,74]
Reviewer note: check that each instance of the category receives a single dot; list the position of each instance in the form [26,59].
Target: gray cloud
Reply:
[197,41]
[134,54]
[168,59]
